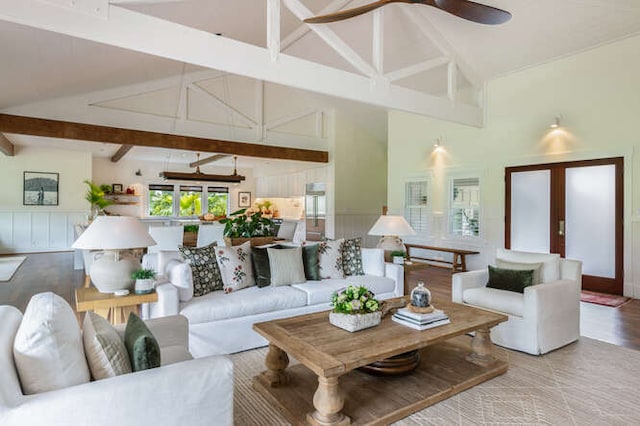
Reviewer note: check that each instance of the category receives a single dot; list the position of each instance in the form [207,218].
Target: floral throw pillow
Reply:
[352,257]
[235,266]
[204,268]
[330,259]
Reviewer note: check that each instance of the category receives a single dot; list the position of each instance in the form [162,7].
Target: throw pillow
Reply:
[261,268]
[143,348]
[310,261]
[204,269]
[522,266]
[106,354]
[47,349]
[509,279]
[286,266]
[352,257]
[235,266]
[330,259]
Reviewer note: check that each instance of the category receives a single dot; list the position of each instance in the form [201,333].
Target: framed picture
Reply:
[244,199]
[116,188]
[40,189]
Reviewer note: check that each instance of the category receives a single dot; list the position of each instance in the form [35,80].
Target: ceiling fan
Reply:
[464,9]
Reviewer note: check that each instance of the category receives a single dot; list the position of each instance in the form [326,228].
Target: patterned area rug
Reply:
[603,298]
[9,266]
[586,383]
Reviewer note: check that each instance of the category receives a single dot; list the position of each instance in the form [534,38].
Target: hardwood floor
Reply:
[54,272]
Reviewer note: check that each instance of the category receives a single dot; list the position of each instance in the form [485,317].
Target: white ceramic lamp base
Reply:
[111,271]
[390,243]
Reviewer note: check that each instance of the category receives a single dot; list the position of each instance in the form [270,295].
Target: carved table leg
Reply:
[277,361]
[328,402]
[482,348]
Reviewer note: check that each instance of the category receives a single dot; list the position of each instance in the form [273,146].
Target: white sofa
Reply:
[189,392]
[543,318]
[221,323]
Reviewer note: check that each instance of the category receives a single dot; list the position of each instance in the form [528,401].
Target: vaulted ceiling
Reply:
[403,56]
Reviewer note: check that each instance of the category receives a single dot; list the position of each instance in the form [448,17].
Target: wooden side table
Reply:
[114,308]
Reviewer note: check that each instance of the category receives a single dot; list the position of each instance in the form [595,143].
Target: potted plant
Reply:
[248,225]
[145,279]
[355,308]
[398,256]
[95,196]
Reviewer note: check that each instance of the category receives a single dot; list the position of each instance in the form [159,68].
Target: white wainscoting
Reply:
[38,231]
[357,225]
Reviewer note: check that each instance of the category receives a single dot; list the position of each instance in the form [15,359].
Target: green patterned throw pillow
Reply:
[204,268]
[352,257]
[143,348]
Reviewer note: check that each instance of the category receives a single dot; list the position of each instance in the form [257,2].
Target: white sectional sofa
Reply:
[220,323]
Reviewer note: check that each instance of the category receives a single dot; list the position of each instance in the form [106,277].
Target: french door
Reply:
[574,209]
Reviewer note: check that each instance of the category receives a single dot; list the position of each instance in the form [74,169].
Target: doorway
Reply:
[574,209]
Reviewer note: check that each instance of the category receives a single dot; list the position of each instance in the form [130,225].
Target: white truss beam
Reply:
[6,147]
[417,68]
[331,38]
[304,29]
[273,28]
[428,30]
[228,108]
[147,34]
[452,86]
[378,40]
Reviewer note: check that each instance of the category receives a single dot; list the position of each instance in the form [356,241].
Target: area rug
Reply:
[587,382]
[603,298]
[9,266]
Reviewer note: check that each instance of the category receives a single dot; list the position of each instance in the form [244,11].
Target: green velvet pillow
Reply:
[509,279]
[143,348]
[310,259]
[261,268]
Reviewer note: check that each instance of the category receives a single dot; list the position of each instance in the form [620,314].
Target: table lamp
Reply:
[111,270]
[391,228]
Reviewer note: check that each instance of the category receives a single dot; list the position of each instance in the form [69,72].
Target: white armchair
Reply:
[543,318]
[191,392]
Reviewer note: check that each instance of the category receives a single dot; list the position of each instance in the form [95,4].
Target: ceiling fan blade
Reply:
[471,11]
[464,9]
[350,13]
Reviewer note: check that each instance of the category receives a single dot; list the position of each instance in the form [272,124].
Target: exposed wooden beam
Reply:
[417,68]
[304,29]
[273,28]
[6,147]
[209,160]
[378,40]
[121,152]
[94,133]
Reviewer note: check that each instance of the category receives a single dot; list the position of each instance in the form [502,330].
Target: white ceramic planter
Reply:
[144,286]
[355,322]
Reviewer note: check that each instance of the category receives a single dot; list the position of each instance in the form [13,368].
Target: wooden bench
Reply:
[458,264]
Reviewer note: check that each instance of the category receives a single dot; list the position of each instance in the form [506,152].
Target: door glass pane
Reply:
[530,206]
[590,218]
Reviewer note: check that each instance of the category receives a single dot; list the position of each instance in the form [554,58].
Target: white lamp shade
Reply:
[391,225]
[114,233]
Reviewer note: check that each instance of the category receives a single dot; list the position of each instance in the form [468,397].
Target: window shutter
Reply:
[415,205]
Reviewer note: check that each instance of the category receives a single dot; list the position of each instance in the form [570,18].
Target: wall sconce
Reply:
[138,172]
[556,123]
[437,145]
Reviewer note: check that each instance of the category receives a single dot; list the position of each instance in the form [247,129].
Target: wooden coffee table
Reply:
[326,389]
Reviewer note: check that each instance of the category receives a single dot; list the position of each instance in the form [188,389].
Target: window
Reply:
[465,207]
[217,200]
[192,200]
[160,200]
[415,205]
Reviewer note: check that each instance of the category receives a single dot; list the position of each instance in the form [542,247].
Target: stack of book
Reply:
[420,321]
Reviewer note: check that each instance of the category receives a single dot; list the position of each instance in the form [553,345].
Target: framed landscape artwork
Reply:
[244,199]
[40,189]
